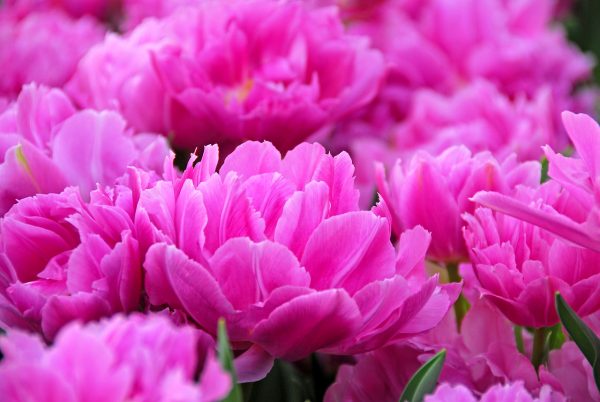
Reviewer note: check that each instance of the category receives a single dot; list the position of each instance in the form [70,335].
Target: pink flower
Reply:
[520,266]
[279,248]
[568,367]
[230,71]
[46,145]
[483,354]
[498,393]
[479,117]
[578,217]
[135,358]
[62,259]
[42,47]
[136,11]
[75,8]
[441,45]
[434,191]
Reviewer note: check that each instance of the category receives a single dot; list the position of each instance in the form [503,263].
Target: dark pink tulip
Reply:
[578,216]
[225,72]
[62,259]
[434,191]
[520,266]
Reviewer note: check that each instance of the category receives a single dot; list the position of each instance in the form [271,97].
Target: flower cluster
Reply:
[330,200]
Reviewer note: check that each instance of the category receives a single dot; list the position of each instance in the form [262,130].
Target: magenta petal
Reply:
[27,171]
[92,147]
[252,158]
[230,213]
[249,272]
[174,279]
[268,193]
[363,252]
[196,289]
[585,134]
[308,323]
[215,382]
[32,382]
[412,249]
[557,224]
[302,213]
[253,365]
[60,310]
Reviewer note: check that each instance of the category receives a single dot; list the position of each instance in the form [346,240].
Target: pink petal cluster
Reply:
[434,191]
[446,44]
[47,145]
[253,244]
[484,353]
[225,72]
[479,117]
[578,218]
[135,358]
[62,259]
[75,8]
[28,55]
[497,393]
[520,266]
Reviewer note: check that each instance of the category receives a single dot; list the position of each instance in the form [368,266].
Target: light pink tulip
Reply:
[46,145]
[135,358]
[230,71]
[434,191]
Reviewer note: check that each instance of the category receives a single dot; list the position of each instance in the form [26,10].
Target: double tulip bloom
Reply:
[225,72]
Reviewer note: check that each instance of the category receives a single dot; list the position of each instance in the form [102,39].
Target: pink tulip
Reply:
[434,191]
[483,354]
[62,259]
[498,393]
[43,47]
[254,244]
[443,45]
[481,118]
[46,145]
[135,358]
[520,266]
[230,71]
[568,367]
[578,217]
[75,8]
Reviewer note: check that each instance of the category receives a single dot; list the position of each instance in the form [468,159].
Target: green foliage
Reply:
[425,379]
[582,335]
[226,359]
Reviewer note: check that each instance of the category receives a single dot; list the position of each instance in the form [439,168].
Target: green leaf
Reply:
[226,359]
[582,335]
[425,379]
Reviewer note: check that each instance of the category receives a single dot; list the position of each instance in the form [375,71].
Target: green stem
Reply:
[539,346]
[462,305]
[519,338]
